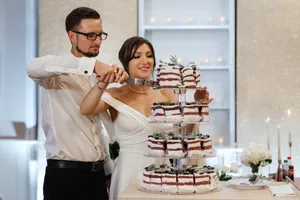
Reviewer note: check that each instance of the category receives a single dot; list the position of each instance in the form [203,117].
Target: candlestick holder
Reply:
[278,174]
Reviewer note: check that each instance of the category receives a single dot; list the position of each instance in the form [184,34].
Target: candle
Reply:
[268,132]
[222,19]
[288,117]
[153,19]
[220,140]
[278,137]
[220,60]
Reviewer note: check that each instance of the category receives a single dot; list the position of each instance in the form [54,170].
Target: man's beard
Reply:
[87,54]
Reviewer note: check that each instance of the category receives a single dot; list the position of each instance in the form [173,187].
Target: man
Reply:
[75,150]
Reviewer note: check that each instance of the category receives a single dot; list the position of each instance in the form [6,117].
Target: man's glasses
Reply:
[93,36]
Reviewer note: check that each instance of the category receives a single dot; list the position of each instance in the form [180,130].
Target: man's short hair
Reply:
[74,18]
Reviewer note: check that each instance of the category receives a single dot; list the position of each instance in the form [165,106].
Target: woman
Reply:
[130,107]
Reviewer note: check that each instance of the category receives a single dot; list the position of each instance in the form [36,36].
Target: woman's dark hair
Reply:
[74,18]
[128,49]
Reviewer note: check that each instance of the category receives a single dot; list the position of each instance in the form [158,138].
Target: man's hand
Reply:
[110,74]
[202,96]
[105,73]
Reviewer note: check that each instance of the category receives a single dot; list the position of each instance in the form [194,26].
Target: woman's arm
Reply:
[92,103]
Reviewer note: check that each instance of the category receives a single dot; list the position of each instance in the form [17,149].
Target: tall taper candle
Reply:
[278,137]
[268,132]
[290,143]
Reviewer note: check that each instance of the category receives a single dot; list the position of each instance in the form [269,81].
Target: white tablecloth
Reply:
[227,193]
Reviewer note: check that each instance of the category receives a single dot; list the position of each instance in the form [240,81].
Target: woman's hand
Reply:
[119,75]
[202,96]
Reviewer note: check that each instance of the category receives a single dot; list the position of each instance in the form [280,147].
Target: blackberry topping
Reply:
[163,166]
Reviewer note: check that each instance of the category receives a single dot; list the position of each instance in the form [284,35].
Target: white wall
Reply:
[18,172]
[18,46]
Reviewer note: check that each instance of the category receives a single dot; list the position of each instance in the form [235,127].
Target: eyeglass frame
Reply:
[97,35]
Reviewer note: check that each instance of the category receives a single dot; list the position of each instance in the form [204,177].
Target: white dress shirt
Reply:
[69,135]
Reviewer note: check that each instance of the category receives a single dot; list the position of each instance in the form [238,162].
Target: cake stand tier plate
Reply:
[244,184]
[144,189]
[194,156]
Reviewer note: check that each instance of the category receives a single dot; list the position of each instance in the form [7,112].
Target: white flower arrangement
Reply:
[222,171]
[256,155]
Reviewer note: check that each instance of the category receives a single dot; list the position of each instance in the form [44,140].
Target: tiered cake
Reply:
[178,145]
[192,179]
[172,112]
[174,76]
[169,145]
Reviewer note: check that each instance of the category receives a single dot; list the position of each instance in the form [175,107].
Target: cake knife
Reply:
[142,82]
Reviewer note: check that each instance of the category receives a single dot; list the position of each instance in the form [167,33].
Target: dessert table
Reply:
[227,193]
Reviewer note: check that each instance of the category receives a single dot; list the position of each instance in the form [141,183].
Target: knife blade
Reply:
[142,82]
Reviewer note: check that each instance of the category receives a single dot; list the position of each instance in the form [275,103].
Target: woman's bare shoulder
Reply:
[116,92]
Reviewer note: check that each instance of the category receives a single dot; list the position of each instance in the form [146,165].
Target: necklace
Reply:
[137,91]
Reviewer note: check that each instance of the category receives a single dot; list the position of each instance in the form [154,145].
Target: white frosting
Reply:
[158,110]
[189,78]
[169,83]
[145,178]
[202,179]
[205,109]
[203,188]
[188,108]
[175,145]
[172,112]
[208,182]
[192,118]
[205,118]
[205,143]
[168,76]
[178,145]
[186,188]
[173,118]
[160,118]
[169,69]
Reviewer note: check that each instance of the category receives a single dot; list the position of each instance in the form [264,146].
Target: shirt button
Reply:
[85,72]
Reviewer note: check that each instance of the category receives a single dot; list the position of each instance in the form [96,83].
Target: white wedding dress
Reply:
[131,132]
